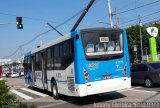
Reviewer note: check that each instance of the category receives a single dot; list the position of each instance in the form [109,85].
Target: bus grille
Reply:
[71,83]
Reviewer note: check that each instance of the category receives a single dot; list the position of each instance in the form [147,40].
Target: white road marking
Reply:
[124,90]
[145,91]
[51,105]
[34,92]
[137,87]
[21,94]
[134,89]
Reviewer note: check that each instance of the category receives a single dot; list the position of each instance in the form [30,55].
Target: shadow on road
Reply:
[92,99]
[80,101]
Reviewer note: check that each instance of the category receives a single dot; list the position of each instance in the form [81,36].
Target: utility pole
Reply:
[21,54]
[117,20]
[110,13]
[140,33]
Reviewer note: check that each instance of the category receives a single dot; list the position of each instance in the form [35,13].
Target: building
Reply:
[5,61]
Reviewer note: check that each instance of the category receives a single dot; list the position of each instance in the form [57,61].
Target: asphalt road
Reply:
[124,98]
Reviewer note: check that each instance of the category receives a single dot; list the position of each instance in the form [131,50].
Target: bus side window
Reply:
[38,64]
[65,49]
[52,52]
[71,50]
[56,51]
[49,59]
[56,57]
[65,54]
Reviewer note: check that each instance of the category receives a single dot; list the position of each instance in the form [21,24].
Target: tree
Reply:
[133,34]
[8,100]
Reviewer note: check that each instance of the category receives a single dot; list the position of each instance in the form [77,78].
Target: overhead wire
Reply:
[137,7]
[70,18]
[133,8]
[140,17]
[146,22]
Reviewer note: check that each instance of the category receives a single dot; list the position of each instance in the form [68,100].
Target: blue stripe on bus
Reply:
[79,75]
[126,53]
[60,81]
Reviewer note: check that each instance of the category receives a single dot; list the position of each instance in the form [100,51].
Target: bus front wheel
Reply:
[55,90]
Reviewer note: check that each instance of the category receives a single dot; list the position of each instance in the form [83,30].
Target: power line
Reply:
[39,19]
[75,15]
[128,4]
[138,7]
[131,9]
[151,22]
[36,37]
[27,43]
[147,23]
[141,17]
[35,19]
[12,53]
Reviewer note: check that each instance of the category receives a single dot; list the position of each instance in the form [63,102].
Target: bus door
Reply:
[33,70]
[44,72]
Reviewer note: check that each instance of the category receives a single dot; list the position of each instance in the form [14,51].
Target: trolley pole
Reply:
[54,28]
[82,15]
[110,14]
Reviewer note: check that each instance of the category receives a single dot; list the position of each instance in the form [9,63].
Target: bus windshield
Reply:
[102,44]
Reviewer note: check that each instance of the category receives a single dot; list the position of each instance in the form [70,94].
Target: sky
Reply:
[36,13]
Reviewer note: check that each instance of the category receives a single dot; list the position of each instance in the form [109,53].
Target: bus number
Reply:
[104,39]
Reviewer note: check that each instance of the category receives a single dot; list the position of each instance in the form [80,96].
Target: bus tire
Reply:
[55,90]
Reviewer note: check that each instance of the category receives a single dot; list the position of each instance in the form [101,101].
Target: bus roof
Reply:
[54,42]
[99,29]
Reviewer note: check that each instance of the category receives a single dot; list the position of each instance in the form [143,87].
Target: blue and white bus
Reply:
[81,63]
